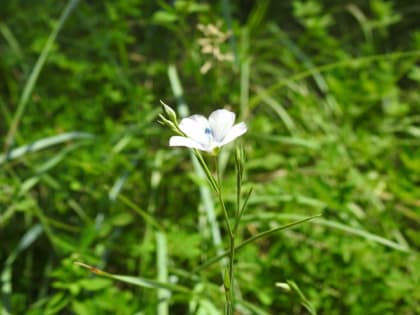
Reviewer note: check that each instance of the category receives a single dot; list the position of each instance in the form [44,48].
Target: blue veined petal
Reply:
[221,121]
[194,127]
[207,135]
[178,141]
[235,132]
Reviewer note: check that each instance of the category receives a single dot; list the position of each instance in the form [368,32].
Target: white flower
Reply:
[208,134]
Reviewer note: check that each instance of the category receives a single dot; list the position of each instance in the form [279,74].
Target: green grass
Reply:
[329,91]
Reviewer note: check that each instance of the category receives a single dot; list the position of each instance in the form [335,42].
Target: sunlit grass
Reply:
[330,96]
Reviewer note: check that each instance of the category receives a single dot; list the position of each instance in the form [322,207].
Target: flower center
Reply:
[208,132]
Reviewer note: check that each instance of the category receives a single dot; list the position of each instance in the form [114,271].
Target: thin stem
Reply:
[241,211]
[239,176]
[220,195]
[231,266]
[238,185]
[213,183]
[228,283]
[253,239]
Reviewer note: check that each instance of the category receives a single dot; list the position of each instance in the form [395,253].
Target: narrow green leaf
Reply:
[255,238]
[43,144]
[30,84]
[138,281]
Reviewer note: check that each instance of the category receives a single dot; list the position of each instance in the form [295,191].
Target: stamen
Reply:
[208,131]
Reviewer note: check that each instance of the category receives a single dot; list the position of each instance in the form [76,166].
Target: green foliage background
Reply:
[330,92]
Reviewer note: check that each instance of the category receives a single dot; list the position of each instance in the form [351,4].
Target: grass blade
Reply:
[43,144]
[332,224]
[137,281]
[6,275]
[255,238]
[33,77]
[162,269]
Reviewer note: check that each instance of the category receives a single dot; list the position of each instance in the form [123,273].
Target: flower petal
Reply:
[177,141]
[221,121]
[195,128]
[234,132]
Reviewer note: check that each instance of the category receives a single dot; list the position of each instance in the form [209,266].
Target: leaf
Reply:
[138,281]
[43,144]
[164,17]
[255,238]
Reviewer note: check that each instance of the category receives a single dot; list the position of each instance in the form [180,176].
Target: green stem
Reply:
[231,277]
[238,186]
[210,177]
[220,195]
[239,175]
[253,239]
[228,283]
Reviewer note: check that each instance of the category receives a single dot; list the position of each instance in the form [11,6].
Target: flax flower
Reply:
[208,134]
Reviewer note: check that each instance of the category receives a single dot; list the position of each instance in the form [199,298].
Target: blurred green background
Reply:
[330,92]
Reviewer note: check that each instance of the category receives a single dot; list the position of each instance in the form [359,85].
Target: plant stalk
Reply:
[228,283]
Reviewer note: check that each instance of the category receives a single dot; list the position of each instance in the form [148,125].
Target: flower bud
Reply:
[169,112]
[285,286]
